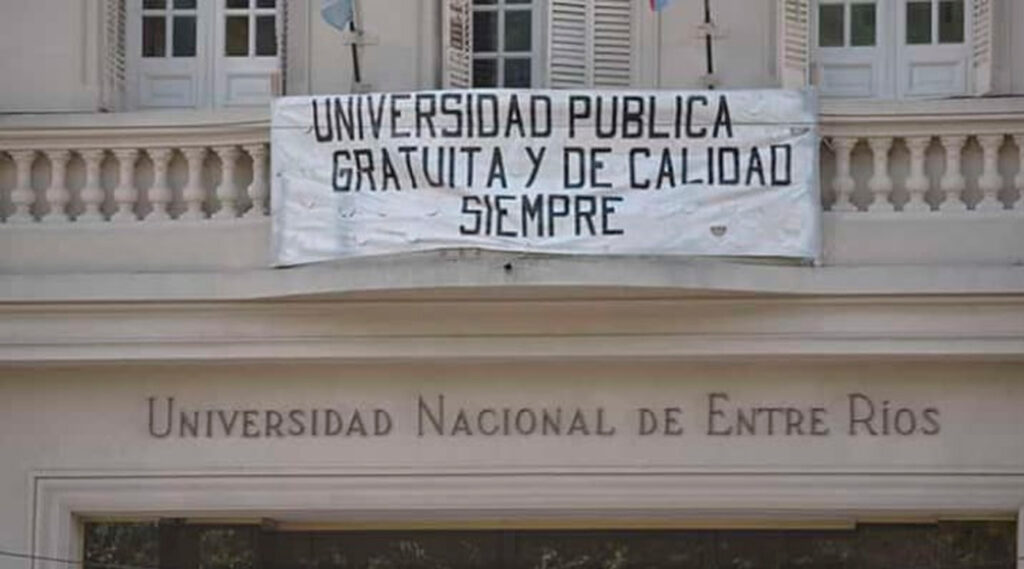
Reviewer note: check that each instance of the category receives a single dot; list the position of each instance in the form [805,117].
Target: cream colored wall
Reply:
[743,51]
[401,53]
[61,73]
[49,55]
[1013,52]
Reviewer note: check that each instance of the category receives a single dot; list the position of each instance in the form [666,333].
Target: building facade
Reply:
[168,399]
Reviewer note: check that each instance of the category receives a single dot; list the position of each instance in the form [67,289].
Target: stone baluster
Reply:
[953,183]
[193,194]
[258,188]
[880,182]
[227,191]
[842,182]
[990,182]
[92,192]
[22,196]
[917,181]
[1018,181]
[125,194]
[57,194]
[159,194]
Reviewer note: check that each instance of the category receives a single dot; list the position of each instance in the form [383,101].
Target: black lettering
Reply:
[425,115]
[497,170]
[568,153]
[596,165]
[450,108]
[468,209]
[535,162]
[723,119]
[501,212]
[535,101]
[483,130]
[632,116]
[579,109]
[690,131]
[633,182]
[342,178]
[328,133]
[725,177]
[585,213]
[607,209]
[786,178]
[606,129]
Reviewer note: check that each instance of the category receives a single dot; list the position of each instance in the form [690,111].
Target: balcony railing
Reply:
[901,183]
[136,171]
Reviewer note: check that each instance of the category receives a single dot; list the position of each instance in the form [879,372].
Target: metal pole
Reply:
[708,48]
[357,73]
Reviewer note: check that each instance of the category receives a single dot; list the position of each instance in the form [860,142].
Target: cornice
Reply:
[381,331]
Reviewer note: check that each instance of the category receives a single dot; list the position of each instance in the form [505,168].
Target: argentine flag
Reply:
[338,13]
[657,5]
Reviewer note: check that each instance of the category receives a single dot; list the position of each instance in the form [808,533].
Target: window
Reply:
[505,43]
[202,53]
[893,48]
[540,43]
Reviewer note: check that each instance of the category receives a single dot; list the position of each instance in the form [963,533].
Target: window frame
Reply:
[893,59]
[538,40]
[203,80]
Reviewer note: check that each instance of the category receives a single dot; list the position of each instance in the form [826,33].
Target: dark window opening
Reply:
[171,544]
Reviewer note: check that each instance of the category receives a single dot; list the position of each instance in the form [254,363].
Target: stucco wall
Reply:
[49,55]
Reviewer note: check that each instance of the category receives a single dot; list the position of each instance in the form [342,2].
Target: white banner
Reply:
[722,173]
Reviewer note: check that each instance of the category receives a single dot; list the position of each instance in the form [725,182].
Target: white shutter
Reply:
[982,48]
[114,53]
[794,42]
[613,43]
[567,44]
[457,56]
[590,43]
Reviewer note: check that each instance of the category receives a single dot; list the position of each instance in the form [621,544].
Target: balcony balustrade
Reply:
[937,182]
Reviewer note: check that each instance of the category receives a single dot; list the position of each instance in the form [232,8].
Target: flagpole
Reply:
[357,73]
[708,47]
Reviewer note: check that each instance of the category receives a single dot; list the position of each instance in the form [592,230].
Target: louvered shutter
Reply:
[794,43]
[613,43]
[590,43]
[982,48]
[114,55]
[567,43]
[457,60]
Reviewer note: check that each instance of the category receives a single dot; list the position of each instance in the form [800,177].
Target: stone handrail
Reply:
[151,167]
[923,156]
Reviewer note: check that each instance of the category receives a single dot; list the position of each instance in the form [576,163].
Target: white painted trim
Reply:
[411,496]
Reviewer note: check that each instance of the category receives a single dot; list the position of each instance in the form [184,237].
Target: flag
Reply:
[658,5]
[338,13]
